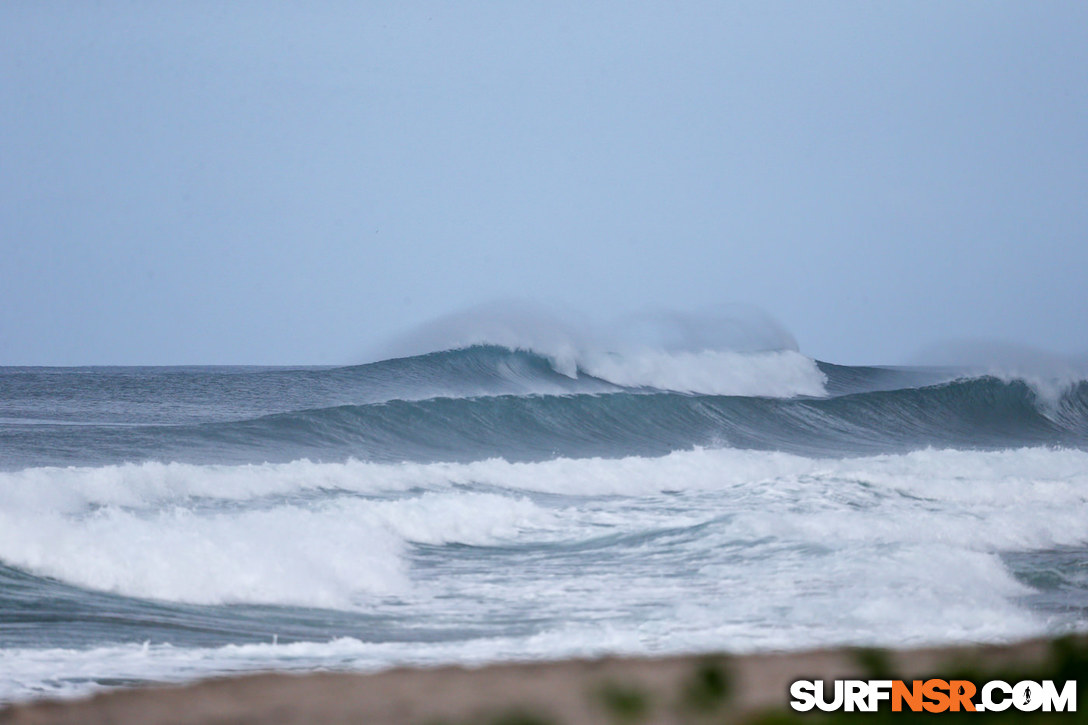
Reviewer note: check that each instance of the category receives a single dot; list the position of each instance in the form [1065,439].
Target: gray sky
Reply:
[208,182]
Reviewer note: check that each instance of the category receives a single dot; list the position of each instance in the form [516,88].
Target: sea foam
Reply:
[339,534]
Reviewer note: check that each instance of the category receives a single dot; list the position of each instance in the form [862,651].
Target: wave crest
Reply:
[729,351]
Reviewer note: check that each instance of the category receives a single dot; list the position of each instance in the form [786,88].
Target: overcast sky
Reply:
[207,182]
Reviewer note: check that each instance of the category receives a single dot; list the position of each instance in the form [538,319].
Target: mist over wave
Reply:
[1050,375]
[667,342]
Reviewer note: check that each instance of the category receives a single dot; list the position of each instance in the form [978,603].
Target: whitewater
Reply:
[494,501]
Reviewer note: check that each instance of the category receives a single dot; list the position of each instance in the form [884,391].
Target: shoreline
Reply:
[675,689]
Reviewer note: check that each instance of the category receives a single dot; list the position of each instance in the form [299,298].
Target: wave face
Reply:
[488,503]
[488,401]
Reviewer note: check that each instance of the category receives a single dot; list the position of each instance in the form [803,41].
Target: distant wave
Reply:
[494,369]
[863,410]
[984,412]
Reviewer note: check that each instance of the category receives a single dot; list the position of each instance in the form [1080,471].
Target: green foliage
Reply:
[708,687]
[875,663]
[624,703]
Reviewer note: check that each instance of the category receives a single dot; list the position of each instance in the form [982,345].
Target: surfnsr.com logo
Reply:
[933,695]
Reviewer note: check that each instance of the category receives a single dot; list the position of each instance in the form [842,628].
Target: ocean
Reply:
[482,504]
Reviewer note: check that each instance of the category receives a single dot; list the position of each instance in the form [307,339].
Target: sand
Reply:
[644,690]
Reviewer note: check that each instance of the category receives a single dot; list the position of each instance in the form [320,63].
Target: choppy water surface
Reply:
[484,503]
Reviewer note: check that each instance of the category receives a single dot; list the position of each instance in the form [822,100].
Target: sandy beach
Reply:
[719,688]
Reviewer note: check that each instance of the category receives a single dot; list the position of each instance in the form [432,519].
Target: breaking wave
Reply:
[491,502]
